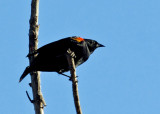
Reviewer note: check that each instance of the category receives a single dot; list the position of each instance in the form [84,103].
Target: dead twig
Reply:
[70,58]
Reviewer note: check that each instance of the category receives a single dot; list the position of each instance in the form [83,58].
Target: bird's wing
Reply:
[54,48]
[58,47]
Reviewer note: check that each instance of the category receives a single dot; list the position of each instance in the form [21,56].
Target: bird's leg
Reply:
[72,54]
[70,78]
[32,101]
[66,76]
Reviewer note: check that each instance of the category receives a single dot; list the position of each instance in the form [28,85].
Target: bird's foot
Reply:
[71,53]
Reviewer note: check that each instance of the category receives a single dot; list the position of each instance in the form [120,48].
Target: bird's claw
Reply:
[72,54]
[70,78]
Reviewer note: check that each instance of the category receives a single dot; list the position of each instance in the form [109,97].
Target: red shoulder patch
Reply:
[78,39]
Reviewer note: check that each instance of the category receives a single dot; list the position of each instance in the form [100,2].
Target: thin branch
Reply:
[70,58]
[33,44]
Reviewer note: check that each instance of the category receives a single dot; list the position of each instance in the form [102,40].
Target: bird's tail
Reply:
[26,71]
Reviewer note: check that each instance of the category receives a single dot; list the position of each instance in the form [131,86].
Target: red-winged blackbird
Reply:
[52,58]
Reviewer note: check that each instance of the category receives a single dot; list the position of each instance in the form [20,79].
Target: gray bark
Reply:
[38,100]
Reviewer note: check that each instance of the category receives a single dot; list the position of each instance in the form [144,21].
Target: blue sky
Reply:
[122,78]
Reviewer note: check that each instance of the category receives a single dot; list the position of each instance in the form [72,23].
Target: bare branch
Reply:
[70,57]
[33,44]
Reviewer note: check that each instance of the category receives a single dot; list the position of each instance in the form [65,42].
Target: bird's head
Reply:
[92,44]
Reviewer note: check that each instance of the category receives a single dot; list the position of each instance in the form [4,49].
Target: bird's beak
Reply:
[100,45]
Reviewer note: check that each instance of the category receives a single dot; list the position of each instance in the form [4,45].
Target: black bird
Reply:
[52,58]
